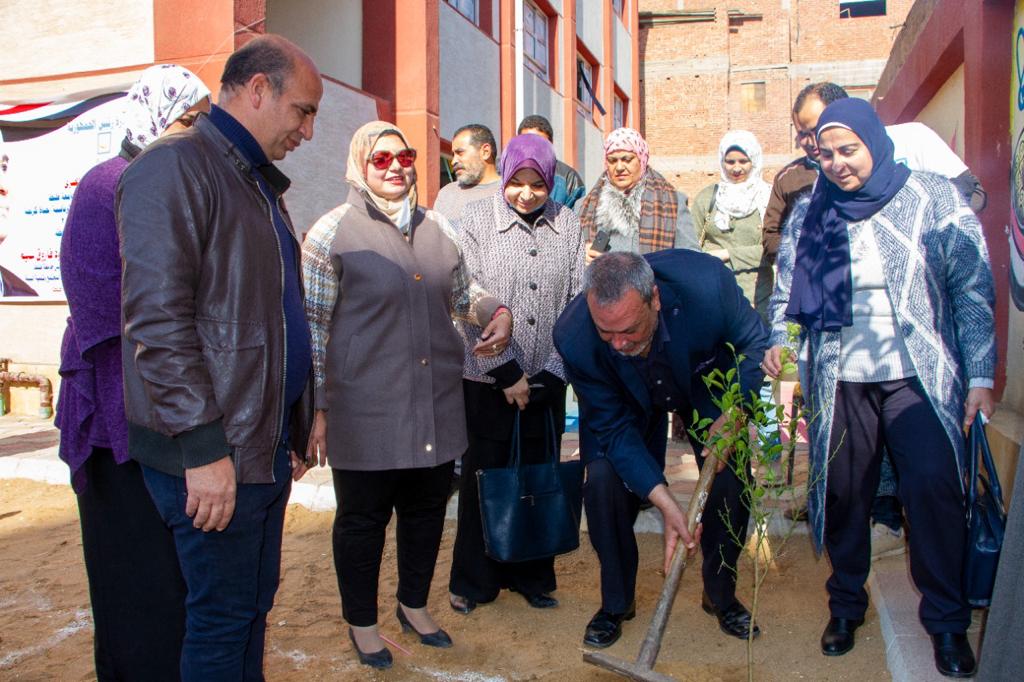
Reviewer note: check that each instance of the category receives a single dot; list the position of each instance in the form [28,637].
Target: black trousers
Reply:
[474,574]
[365,501]
[896,415]
[612,510]
[135,583]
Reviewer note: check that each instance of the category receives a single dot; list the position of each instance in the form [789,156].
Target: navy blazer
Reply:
[704,309]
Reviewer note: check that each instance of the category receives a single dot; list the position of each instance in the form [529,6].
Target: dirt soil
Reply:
[46,627]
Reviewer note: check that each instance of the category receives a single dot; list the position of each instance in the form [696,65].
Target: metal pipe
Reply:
[8,378]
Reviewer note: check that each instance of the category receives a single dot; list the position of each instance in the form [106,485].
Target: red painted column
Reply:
[568,64]
[633,26]
[988,42]
[606,91]
[507,69]
[418,88]
[196,34]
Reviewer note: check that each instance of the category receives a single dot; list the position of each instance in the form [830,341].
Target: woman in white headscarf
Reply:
[728,216]
[135,586]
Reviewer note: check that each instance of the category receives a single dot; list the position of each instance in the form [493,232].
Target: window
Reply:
[535,39]
[619,112]
[617,7]
[586,83]
[851,9]
[752,99]
[467,8]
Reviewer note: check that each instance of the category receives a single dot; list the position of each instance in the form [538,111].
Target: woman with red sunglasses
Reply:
[384,279]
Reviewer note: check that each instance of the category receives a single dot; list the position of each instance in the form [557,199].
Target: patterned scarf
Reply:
[161,95]
[654,215]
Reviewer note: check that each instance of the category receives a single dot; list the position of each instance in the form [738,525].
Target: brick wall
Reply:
[692,74]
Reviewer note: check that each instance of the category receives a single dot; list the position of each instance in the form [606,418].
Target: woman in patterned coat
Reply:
[887,273]
[528,251]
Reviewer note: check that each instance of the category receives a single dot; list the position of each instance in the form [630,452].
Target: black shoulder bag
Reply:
[533,511]
[986,520]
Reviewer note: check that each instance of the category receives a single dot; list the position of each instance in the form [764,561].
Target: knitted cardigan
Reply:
[940,283]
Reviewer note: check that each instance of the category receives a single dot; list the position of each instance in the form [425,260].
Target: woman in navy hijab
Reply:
[528,251]
[887,273]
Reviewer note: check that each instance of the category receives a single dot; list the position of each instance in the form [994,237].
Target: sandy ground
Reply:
[46,629]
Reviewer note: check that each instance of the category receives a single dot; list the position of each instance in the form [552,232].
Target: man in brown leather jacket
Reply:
[217,357]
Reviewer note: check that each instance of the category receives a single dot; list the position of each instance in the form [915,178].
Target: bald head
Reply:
[272,88]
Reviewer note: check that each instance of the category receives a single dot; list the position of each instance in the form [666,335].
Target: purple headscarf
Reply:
[528,151]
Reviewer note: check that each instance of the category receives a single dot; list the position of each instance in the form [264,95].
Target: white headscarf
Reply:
[161,95]
[740,199]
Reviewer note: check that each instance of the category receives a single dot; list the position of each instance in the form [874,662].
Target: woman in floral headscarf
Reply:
[136,589]
[728,216]
[632,206]
[384,279]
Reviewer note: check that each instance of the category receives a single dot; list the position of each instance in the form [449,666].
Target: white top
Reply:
[918,147]
[871,350]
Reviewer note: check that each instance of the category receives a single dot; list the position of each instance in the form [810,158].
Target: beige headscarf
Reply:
[400,212]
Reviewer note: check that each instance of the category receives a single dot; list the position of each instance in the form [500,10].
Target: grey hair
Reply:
[613,274]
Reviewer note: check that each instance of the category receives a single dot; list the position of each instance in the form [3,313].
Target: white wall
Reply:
[317,167]
[589,151]
[590,27]
[623,45]
[331,31]
[470,75]
[946,112]
[539,98]
[46,38]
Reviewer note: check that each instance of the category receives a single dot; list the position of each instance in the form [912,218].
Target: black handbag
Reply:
[986,520]
[532,511]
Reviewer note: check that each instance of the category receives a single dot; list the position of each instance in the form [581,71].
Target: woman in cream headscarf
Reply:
[728,216]
[135,585]
[384,278]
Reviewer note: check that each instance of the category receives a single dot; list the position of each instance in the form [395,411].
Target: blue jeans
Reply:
[231,575]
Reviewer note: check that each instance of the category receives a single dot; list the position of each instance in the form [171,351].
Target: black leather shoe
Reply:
[605,628]
[953,655]
[461,604]
[440,639]
[734,620]
[541,600]
[378,659]
[838,636]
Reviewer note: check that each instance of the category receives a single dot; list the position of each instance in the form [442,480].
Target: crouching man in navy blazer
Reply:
[636,343]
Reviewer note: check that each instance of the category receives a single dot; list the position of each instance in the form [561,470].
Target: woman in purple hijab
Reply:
[135,586]
[528,251]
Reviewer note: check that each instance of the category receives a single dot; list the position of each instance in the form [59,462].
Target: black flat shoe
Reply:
[605,628]
[838,636]
[440,639]
[541,600]
[461,604]
[378,659]
[734,621]
[953,655]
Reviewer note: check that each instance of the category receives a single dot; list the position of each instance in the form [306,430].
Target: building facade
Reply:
[709,67]
[430,66]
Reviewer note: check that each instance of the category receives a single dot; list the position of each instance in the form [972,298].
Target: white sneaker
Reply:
[886,542]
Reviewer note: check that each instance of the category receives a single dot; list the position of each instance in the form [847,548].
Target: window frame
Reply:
[457,6]
[534,11]
[763,100]
[862,9]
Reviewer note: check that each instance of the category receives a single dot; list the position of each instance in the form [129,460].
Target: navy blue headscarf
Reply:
[821,291]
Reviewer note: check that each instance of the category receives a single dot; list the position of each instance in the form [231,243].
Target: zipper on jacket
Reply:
[284,325]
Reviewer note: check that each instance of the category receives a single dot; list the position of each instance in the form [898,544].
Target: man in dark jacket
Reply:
[636,344]
[217,360]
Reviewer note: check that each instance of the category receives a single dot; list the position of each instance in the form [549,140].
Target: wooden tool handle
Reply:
[652,641]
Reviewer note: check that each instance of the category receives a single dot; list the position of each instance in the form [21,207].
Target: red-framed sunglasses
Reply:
[382,160]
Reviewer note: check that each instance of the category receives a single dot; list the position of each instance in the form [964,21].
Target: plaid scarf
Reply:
[658,212]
